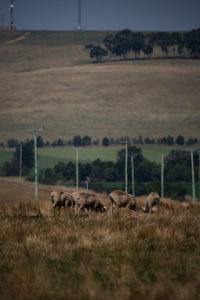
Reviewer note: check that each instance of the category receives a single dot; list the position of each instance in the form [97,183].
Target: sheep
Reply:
[85,200]
[54,197]
[153,199]
[63,200]
[120,198]
[66,198]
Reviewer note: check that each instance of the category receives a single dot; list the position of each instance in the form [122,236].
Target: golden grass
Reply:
[124,255]
[58,87]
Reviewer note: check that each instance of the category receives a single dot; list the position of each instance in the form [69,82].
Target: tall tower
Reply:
[12,27]
[79,14]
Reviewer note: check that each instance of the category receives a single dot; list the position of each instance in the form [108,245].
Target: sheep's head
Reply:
[54,195]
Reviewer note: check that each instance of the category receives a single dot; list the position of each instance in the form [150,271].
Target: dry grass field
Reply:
[49,80]
[124,255]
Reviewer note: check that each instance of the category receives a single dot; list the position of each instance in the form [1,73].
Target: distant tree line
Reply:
[11,168]
[85,141]
[102,174]
[105,175]
[127,44]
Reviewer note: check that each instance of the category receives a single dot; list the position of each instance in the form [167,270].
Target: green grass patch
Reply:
[5,155]
[52,155]
[153,152]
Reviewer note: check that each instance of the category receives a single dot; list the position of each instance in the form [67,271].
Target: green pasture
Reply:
[5,155]
[152,153]
[49,157]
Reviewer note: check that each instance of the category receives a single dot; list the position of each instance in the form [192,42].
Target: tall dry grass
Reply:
[124,255]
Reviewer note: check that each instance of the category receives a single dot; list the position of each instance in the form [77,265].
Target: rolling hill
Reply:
[48,79]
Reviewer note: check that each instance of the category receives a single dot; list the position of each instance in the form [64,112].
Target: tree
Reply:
[40,142]
[148,49]
[77,141]
[86,140]
[162,39]
[105,142]
[170,140]
[60,142]
[137,43]
[147,141]
[192,141]
[178,166]
[192,42]
[12,168]
[137,152]
[98,53]
[123,43]
[109,42]
[180,140]
[180,49]
[97,170]
[11,143]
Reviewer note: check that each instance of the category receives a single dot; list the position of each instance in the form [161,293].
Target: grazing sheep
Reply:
[120,198]
[66,198]
[153,199]
[54,197]
[89,201]
[63,200]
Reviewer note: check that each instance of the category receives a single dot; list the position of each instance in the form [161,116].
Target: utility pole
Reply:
[162,176]
[126,142]
[199,175]
[20,161]
[77,170]
[86,185]
[193,178]
[79,14]
[11,14]
[132,175]
[126,167]
[34,131]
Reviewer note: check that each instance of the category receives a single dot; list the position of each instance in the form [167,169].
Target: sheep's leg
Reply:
[148,208]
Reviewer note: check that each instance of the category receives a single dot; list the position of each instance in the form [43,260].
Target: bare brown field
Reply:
[124,255]
[58,87]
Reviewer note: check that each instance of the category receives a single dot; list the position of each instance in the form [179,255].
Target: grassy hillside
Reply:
[124,255]
[48,79]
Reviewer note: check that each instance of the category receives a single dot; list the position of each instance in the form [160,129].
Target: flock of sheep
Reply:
[86,200]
